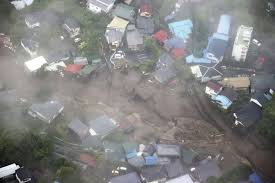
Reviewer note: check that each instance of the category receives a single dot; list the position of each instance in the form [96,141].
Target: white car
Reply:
[119,55]
[256,42]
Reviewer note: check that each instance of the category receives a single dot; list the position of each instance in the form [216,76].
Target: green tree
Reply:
[267,125]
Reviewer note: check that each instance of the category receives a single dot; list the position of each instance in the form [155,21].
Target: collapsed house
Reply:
[72,27]
[165,69]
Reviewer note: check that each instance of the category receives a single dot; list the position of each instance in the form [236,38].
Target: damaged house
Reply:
[30,46]
[79,128]
[72,27]
[115,32]
[206,72]
[47,111]
[165,69]
[34,65]
[100,6]
[32,20]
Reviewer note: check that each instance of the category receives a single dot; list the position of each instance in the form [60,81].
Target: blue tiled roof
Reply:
[181,29]
[151,160]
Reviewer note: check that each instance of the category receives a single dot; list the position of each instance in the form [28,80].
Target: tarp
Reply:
[73,68]
[254,178]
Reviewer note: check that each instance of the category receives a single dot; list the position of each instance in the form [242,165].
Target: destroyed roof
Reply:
[168,150]
[48,110]
[165,69]
[181,29]
[102,4]
[145,25]
[124,11]
[113,35]
[249,114]
[102,126]
[33,18]
[87,159]
[154,173]
[24,175]
[174,169]
[131,177]
[71,23]
[57,56]
[137,161]
[30,44]
[206,169]
[160,36]
[118,23]
[262,82]
[73,68]
[182,179]
[79,128]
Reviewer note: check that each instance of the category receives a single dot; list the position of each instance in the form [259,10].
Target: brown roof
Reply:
[87,159]
[236,82]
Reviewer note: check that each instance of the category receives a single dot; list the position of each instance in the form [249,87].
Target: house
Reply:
[56,56]
[174,42]
[168,150]
[151,160]
[81,60]
[255,178]
[87,160]
[23,175]
[222,101]
[100,6]
[206,72]
[191,59]
[32,66]
[248,115]
[207,168]
[237,83]
[102,126]
[73,68]
[125,11]
[134,38]
[161,36]
[32,20]
[177,53]
[213,88]
[30,46]
[145,25]
[115,32]
[182,179]
[216,47]
[47,111]
[145,9]
[154,174]
[181,29]
[165,69]
[8,170]
[174,169]
[79,128]
[229,93]
[72,27]
[217,44]
[262,82]
[130,177]
[242,42]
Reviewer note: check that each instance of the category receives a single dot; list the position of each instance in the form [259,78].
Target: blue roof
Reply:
[181,29]
[217,45]
[224,24]
[151,160]
[174,42]
[191,59]
[254,178]
[222,100]
[131,154]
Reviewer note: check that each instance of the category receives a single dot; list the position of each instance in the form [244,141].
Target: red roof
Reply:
[261,59]
[160,36]
[73,68]
[178,53]
[145,8]
[214,86]
[87,159]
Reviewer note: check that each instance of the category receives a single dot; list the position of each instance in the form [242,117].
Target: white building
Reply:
[8,170]
[34,65]
[99,6]
[242,42]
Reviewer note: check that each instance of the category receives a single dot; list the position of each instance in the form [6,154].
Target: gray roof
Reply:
[208,169]
[249,114]
[182,179]
[229,93]
[103,4]
[47,111]
[217,46]
[57,56]
[145,25]
[154,173]
[113,35]
[131,177]
[168,150]
[103,125]
[134,38]
[78,127]
[113,151]
[92,142]
[174,169]
[124,11]
[137,161]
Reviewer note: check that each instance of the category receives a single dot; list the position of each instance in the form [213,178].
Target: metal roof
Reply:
[78,127]
[131,177]
[102,126]
[124,11]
